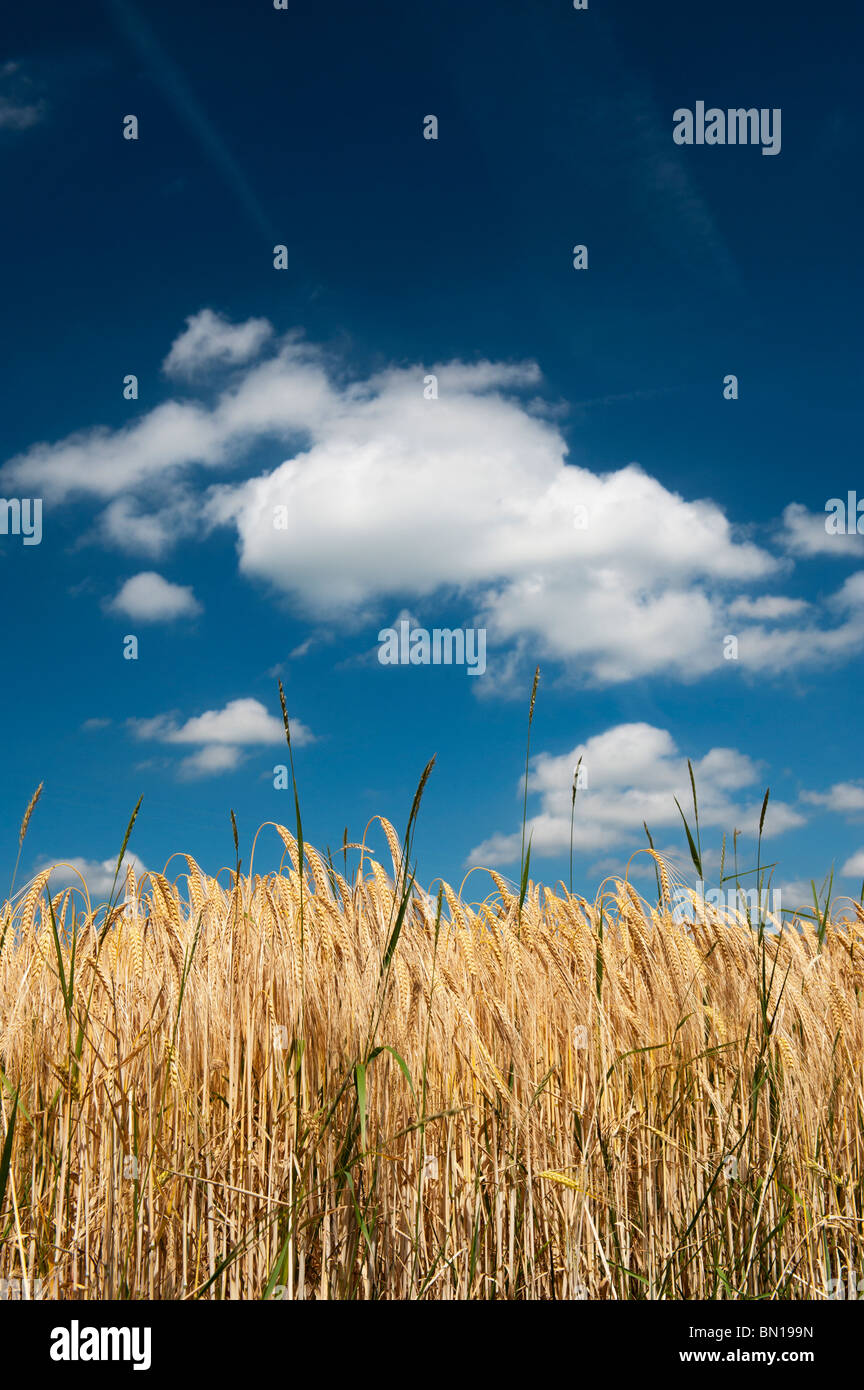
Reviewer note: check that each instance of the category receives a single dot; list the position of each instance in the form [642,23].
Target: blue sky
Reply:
[558,389]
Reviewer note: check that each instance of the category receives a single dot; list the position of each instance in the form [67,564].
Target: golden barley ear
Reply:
[23,831]
[31,807]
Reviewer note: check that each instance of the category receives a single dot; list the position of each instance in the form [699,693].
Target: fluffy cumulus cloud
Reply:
[210,339]
[149,598]
[406,496]
[830,635]
[221,734]
[805,533]
[845,797]
[377,493]
[632,774]
[97,874]
[854,866]
[209,762]
[287,394]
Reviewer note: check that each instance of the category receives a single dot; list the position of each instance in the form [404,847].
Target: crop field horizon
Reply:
[325,1084]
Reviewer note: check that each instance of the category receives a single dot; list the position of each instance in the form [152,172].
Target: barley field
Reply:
[319,1084]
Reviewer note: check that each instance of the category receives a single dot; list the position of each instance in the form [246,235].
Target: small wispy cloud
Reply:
[100,875]
[846,798]
[768,607]
[210,339]
[805,534]
[222,735]
[19,107]
[209,762]
[149,598]
[854,866]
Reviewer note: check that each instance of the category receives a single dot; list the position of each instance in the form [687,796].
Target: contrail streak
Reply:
[173,83]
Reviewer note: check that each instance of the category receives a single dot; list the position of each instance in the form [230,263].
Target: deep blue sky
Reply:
[304,127]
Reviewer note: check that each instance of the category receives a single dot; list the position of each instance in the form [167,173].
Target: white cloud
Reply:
[795,894]
[470,496]
[210,338]
[809,644]
[805,535]
[241,721]
[854,866]
[97,874]
[19,117]
[282,396]
[209,761]
[124,526]
[18,111]
[471,492]
[850,595]
[843,797]
[222,735]
[634,773]
[772,607]
[149,598]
